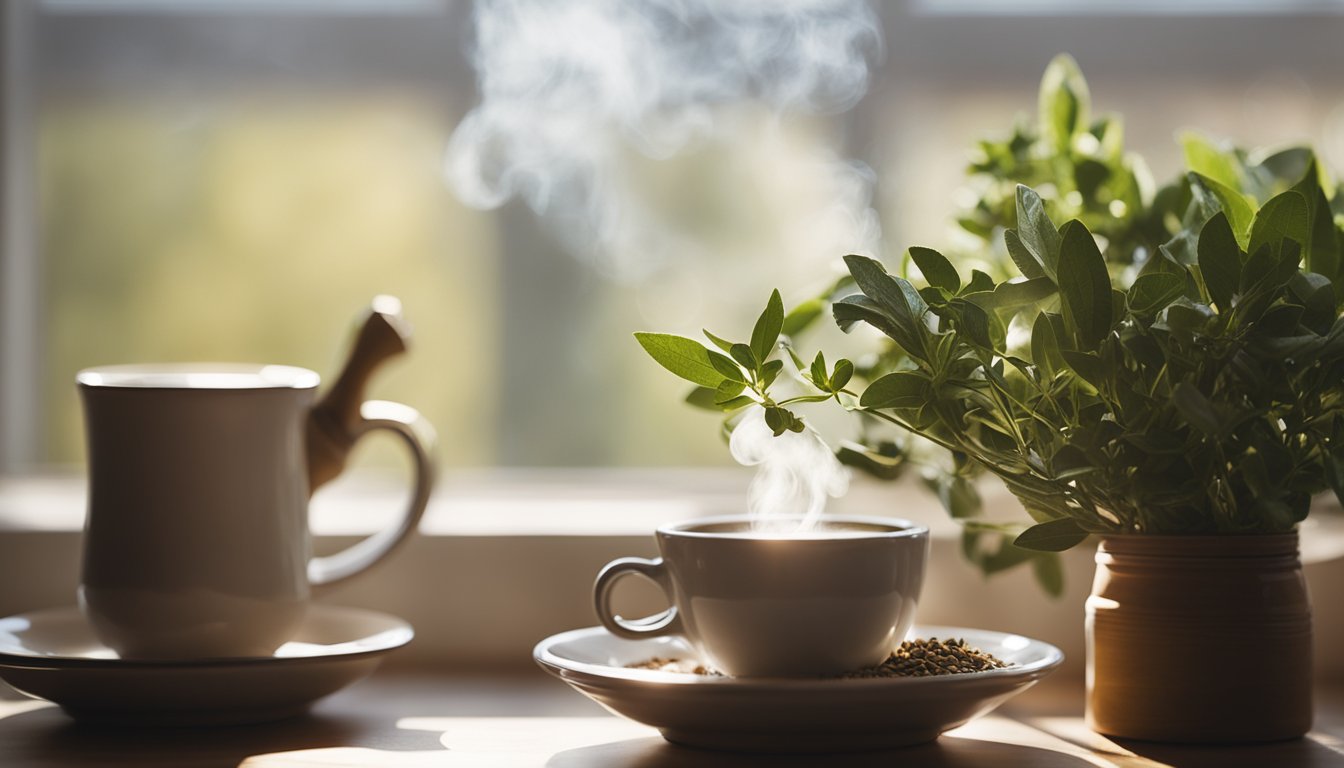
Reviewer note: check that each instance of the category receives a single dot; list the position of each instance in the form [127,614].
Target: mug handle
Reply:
[665,623]
[418,436]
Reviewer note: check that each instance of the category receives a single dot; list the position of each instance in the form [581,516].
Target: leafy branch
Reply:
[742,374]
[1205,397]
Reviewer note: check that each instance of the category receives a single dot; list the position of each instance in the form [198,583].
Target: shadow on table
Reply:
[1316,750]
[46,736]
[1299,753]
[944,753]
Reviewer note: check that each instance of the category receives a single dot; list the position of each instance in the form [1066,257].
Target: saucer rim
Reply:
[562,667]
[399,633]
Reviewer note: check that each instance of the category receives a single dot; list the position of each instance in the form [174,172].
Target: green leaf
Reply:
[900,310]
[1185,316]
[1027,262]
[1044,346]
[688,359]
[1049,574]
[959,497]
[1327,242]
[1220,260]
[1070,462]
[1316,293]
[937,270]
[879,464]
[844,371]
[1007,556]
[1321,249]
[1052,536]
[744,356]
[768,326]
[1289,165]
[1006,296]
[723,344]
[807,399]
[973,322]
[1284,216]
[981,282]
[1084,286]
[801,317]
[1234,205]
[728,390]
[1202,157]
[1197,409]
[1064,103]
[770,371]
[781,420]
[1088,366]
[1151,292]
[741,401]
[903,389]
[1035,229]
[818,370]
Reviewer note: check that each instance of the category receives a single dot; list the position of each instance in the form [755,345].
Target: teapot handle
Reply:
[342,417]
[418,436]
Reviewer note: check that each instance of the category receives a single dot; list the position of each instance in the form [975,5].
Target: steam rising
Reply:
[796,473]
[570,89]
[573,91]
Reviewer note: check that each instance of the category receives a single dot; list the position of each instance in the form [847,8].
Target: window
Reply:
[234,179]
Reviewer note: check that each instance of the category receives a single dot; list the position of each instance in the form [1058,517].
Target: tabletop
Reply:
[425,718]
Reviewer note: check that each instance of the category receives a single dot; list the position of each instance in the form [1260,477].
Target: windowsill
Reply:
[576,502]
[511,502]
[506,557]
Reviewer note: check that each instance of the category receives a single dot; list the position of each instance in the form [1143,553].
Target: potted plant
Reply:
[1083,171]
[1184,403]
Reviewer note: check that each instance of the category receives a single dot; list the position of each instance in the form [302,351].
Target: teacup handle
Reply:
[665,623]
[418,436]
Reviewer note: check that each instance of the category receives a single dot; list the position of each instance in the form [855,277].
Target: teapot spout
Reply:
[333,423]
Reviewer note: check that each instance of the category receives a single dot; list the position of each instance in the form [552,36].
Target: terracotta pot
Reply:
[1199,639]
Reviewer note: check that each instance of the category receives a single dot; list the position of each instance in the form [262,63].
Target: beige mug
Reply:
[196,542]
[758,604]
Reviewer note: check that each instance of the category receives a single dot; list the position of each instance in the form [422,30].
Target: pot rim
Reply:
[1201,545]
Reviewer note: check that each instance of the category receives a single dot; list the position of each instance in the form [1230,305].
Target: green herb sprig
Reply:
[741,374]
[1206,397]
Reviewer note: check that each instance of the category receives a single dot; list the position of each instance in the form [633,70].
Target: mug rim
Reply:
[898,528]
[197,376]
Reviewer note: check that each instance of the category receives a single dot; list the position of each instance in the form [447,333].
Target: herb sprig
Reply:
[742,374]
[1206,397]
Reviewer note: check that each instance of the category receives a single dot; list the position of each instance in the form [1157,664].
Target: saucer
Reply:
[54,655]
[790,714]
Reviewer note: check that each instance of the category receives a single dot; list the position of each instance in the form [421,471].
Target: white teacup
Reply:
[197,542]
[758,604]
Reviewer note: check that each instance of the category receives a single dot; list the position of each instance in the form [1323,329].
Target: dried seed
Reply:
[915,658]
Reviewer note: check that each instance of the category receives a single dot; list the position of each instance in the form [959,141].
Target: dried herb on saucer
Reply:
[915,658]
[926,658]
[680,666]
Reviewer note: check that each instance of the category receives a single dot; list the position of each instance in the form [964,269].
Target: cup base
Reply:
[147,626]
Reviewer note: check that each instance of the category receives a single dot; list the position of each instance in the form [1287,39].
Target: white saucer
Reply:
[54,655]
[790,714]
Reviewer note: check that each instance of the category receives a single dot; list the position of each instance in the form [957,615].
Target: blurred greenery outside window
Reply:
[248,218]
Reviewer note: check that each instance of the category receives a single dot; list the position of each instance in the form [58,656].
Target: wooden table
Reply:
[511,719]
